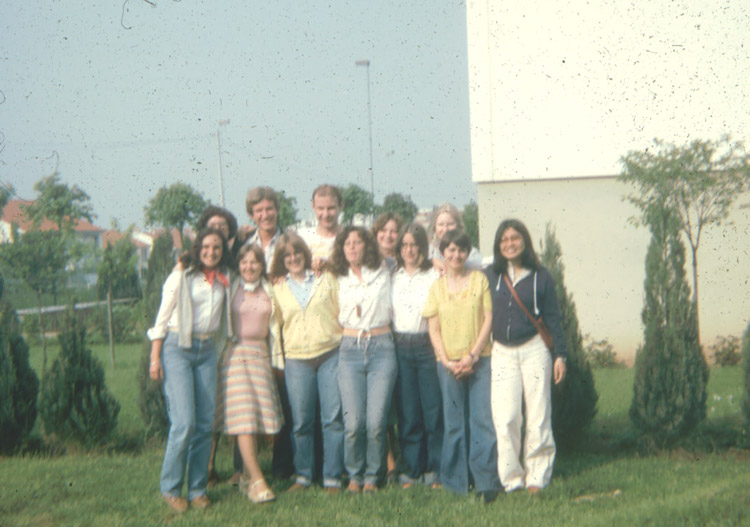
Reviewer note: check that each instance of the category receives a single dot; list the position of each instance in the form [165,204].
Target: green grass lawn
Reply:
[594,486]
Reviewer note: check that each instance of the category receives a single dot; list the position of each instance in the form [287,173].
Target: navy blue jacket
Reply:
[510,325]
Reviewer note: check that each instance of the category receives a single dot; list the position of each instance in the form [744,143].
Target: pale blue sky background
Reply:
[130,110]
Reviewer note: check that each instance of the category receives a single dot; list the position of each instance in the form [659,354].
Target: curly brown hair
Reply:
[371,260]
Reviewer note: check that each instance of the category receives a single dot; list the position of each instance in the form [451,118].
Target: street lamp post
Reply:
[218,147]
[366,64]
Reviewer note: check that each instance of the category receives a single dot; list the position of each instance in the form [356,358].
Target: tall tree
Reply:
[356,201]
[669,391]
[698,181]
[287,210]
[400,204]
[59,203]
[470,216]
[38,259]
[174,207]
[573,401]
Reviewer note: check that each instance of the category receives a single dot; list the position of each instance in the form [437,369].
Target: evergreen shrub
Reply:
[671,374]
[745,430]
[75,404]
[574,400]
[19,384]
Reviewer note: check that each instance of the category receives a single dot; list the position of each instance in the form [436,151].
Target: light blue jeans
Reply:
[468,452]
[190,389]
[367,376]
[307,381]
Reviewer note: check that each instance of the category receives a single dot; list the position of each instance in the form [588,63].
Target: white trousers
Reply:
[521,376]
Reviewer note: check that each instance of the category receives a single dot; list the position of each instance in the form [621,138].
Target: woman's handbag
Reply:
[538,324]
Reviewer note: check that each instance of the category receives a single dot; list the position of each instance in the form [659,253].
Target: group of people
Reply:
[335,328]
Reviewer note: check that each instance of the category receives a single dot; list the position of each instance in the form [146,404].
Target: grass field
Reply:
[600,484]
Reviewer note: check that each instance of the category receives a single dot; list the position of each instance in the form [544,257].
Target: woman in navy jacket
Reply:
[522,366]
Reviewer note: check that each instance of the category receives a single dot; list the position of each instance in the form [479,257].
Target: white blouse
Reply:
[408,296]
[207,303]
[365,305]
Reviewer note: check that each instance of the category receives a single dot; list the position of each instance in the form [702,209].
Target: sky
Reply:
[122,99]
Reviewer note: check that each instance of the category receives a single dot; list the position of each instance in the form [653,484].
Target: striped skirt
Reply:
[248,401]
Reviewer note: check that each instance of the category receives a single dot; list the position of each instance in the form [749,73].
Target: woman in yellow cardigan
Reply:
[311,334]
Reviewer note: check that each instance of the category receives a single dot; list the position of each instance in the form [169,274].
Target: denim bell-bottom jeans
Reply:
[367,376]
[420,410]
[190,389]
[468,451]
[308,381]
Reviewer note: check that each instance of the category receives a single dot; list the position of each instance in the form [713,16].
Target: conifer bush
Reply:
[19,384]
[746,397]
[75,404]
[574,400]
[671,374]
[151,401]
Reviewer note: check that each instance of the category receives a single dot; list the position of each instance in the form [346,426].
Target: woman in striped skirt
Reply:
[249,401]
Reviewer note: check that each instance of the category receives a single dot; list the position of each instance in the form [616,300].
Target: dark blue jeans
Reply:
[419,408]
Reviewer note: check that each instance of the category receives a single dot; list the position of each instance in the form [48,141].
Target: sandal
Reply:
[262,496]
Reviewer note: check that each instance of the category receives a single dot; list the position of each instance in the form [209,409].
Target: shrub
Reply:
[669,393]
[600,353]
[726,351]
[151,401]
[574,400]
[19,384]
[745,439]
[124,323]
[75,404]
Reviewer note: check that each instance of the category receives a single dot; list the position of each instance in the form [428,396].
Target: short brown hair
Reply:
[328,190]
[257,251]
[286,240]
[258,194]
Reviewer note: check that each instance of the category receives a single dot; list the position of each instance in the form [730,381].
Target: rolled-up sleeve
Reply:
[167,307]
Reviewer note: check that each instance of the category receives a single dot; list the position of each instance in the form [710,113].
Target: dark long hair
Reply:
[371,260]
[420,238]
[213,210]
[529,258]
[196,264]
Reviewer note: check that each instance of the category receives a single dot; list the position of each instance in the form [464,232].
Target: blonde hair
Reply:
[450,209]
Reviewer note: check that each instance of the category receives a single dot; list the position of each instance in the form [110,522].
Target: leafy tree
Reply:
[698,181]
[287,210]
[59,203]
[356,201]
[574,400]
[470,216]
[38,259]
[669,393]
[75,404]
[19,384]
[400,204]
[174,207]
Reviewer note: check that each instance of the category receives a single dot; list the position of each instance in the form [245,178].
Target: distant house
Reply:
[13,213]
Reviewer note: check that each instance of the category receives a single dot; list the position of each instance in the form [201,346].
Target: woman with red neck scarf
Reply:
[190,327]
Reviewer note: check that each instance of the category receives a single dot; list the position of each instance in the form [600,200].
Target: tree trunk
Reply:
[40,320]
[110,323]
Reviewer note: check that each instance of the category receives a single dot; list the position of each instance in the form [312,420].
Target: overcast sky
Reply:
[130,96]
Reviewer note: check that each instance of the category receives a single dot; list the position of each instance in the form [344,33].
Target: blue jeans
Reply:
[367,375]
[307,381]
[419,408]
[190,389]
[473,451]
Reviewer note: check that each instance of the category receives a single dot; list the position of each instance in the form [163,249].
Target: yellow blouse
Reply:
[460,314]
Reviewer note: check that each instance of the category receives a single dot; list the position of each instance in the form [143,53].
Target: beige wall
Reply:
[604,255]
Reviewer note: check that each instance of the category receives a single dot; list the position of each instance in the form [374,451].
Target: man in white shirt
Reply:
[326,204]
[262,205]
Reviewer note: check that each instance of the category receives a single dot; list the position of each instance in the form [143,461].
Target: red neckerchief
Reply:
[213,274]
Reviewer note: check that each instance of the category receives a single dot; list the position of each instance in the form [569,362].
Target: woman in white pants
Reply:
[522,365]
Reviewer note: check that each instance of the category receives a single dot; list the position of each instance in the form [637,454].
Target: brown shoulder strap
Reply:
[520,304]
